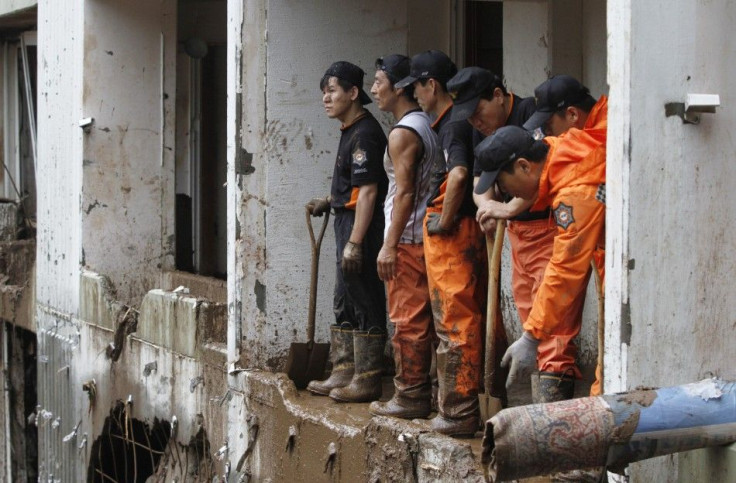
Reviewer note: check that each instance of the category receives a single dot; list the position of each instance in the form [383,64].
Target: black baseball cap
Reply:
[555,93]
[351,73]
[466,88]
[502,148]
[396,66]
[431,64]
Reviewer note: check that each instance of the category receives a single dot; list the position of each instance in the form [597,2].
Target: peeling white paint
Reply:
[706,389]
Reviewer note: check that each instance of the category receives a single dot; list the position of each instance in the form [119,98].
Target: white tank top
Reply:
[419,123]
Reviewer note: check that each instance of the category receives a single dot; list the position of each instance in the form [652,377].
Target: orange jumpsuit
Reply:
[573,185]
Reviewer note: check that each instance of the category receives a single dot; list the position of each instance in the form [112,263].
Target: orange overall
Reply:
[409,309]
[573,184]
[457,275]
[532,243]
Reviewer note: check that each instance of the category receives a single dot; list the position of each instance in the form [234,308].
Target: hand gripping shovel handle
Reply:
[494,271]
[316,245]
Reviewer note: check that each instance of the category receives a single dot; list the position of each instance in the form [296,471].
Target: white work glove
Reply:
[522,355]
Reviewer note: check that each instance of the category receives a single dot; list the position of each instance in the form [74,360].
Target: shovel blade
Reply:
[307,363]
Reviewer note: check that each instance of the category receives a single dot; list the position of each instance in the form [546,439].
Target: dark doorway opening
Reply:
[484,35]
[20,367]
[201,158]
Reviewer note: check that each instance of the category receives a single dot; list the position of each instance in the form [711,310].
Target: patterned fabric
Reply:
[541,439]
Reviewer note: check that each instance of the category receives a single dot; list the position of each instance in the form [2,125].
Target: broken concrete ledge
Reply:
[301,437]
[17,288]
[181,323]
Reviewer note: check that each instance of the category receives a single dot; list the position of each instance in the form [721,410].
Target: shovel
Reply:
[494,398]
[307,361]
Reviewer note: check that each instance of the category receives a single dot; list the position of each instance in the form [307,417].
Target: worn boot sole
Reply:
[335,381]
[353,395]
[456,428]
[397,410]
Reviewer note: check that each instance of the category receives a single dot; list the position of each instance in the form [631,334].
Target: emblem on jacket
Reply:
[563,215]
[359,157]
[600,195]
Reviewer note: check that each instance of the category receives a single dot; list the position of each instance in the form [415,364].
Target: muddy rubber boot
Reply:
[550,387]
[412,393]
[341,355]
[459,409]
[365,385]
[434,380]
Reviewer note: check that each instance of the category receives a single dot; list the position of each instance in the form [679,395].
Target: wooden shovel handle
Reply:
[601,320]
[316,245]
[494,273]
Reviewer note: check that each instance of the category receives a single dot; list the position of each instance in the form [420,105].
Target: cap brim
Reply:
[537,120]
[364,98]
[461,112]
[405,82]
[486,181]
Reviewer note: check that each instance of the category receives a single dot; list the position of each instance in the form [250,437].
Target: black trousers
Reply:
[361,298]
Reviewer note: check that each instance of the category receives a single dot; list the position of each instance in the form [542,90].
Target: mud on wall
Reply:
[88,364]
[672,249]
[285,156]
[128,177]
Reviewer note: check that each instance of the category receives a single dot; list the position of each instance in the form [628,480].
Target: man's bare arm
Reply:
[404,150]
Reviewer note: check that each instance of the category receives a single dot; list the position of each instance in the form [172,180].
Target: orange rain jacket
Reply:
[573,185]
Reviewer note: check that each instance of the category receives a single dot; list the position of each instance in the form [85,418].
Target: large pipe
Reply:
[611,431]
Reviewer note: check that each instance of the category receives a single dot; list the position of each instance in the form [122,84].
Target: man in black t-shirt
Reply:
[481,98]
[359,187]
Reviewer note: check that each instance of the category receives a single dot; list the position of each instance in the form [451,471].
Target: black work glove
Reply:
[352,258]
[318,206]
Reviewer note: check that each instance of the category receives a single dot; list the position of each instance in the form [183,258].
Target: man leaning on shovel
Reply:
[359,187]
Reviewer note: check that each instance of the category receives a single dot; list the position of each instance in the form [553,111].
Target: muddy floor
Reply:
[519,395]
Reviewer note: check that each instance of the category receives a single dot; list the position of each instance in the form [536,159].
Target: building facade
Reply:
[158,156]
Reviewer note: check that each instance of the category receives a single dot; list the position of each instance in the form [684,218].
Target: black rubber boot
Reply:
[365,385]
[550,387]
[341,355]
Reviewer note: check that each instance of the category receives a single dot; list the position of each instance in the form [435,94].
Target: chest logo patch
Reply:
[600,194]
[359,157]
[563,216]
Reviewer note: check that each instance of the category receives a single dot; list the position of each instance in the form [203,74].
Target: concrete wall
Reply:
[430,25]
[128,193]
[670,240]
[10,6]
[525,45]
[59,154]
[288,157]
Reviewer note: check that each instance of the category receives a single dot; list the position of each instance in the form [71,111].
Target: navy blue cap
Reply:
[555,93]
[466,88]
[396,66]
[502,148]
[431,64]
[351,73]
